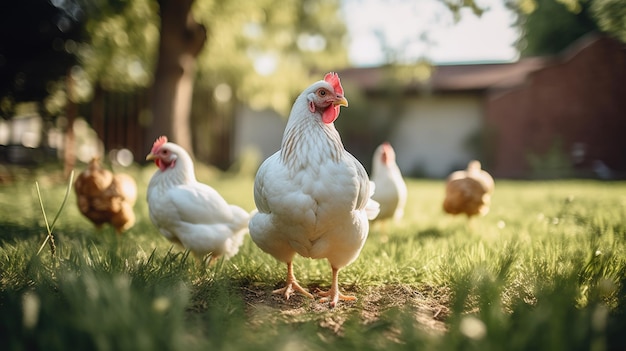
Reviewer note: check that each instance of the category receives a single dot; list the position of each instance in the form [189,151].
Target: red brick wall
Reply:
[581,98]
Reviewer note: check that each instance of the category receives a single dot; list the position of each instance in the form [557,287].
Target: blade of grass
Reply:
[50,228]
[45,218]
[67,195]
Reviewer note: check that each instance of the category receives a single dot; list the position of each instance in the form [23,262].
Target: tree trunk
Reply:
[182,39]
[71,110]
[98,122]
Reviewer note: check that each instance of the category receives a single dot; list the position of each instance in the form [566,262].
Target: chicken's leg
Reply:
[292,285]
[334,295]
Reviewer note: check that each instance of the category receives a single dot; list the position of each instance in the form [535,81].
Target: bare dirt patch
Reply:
[428,306]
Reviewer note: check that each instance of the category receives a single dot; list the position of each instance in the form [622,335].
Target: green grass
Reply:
[544,270]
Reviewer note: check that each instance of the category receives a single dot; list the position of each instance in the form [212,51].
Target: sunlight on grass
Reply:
[544,270]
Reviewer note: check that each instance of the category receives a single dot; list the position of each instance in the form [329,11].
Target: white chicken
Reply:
[188,212]
[391,191]
[312,196]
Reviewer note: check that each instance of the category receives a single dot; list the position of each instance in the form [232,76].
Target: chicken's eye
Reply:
[322,92]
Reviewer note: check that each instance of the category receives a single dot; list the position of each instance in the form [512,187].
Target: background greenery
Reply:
[544,270]
[61,53]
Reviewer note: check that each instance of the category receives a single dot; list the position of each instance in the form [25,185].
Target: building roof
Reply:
[460,77]
[485,76]
[447,78]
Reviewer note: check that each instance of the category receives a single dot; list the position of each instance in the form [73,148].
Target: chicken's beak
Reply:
[340,101]
[150,157]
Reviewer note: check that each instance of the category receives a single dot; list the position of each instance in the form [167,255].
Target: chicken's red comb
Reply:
[333,79]
[158,143]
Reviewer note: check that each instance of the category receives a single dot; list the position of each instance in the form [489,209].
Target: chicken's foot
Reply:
[292,285]
[334,295]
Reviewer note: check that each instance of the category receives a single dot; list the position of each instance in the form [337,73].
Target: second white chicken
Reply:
[188,212]
[391,191]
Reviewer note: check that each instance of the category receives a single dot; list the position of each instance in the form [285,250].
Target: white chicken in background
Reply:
[391,191]
[312,196]
[188,212]
[469,191]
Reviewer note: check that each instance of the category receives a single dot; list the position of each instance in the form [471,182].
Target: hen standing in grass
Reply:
[312,196]
[391,191]
[104,197]
[188,212]
[469,191]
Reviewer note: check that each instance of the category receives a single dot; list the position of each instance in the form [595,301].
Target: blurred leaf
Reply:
[611,17]
[549,26]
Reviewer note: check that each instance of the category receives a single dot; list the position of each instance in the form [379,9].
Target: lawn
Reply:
[544,270]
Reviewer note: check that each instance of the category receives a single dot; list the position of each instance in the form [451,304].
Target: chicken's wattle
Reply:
[164,165]
[330,114]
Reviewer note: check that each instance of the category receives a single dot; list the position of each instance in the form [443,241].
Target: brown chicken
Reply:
[469,192]
[104,197]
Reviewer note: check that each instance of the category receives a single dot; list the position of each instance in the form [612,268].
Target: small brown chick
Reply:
[104,197]
[469,192]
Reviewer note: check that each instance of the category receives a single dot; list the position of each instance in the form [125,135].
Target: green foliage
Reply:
[266,50]
[549,26]
[544,270]
[295,37]
[611,17]
[121,51]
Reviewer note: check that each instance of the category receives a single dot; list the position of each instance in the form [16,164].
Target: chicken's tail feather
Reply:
[372,209]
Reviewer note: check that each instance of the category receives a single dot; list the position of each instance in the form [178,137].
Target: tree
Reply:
[260,53]
[611,17]
[549,26]
[254,52]
[257,49]
[119,49]
[181,40]
[266,50]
